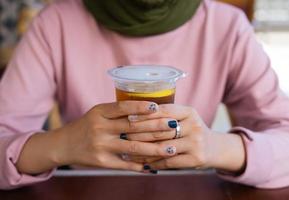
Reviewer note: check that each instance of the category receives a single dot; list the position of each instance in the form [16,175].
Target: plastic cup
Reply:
[154,83]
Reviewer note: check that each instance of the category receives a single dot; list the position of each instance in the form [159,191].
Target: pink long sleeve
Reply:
[26,96]
[65,56]
[256,102]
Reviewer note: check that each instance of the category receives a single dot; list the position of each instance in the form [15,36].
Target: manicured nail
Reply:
[171,150]
[146,167]
[173,124]
[125,157]
[123,136]
[154,171]
[153,107]
[133,118]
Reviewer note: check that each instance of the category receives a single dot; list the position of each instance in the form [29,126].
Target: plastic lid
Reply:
[146,73]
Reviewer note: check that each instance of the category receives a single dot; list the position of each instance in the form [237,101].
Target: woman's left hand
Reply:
[197,147]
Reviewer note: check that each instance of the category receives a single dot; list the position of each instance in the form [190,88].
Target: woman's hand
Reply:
[198,147]
[93,140]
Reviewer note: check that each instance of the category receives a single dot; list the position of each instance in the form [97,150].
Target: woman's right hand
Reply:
[94,140]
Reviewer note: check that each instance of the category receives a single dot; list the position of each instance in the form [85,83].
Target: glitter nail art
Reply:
[171,150]
[153,107]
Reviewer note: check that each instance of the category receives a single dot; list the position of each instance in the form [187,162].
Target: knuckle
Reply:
[167,163]
[159,135]
[160,150]
[200,155]
[165,109]
[147,160]
[161,123]
[142,160]
[133,147]
[133,167]
[121,106]
[94,122]
[200,159]
[96,127]
[141,105]
[132,126]
[96,111]
[165,106]
[199,138]
[101,160]
[97,145]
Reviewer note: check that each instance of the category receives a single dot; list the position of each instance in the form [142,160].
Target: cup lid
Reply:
[146,73]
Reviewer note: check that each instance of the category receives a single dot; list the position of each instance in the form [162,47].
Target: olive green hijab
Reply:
[142,17]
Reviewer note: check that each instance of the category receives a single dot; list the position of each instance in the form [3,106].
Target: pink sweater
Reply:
[65,55]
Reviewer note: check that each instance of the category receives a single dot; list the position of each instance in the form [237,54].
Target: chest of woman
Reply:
[88,54]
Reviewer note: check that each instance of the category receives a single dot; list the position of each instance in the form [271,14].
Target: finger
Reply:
[159,135]
[178,112]
[142,148]
[124,108]
[123,125]
[179,161]
[181,145]
[152,136]
[115,162]
[162,124]
[141,159]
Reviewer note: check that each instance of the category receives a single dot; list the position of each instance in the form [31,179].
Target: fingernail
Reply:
[154,171]
[153,107]
[133,118]
[123,136]
[173,124]
[171,150]
[125,157]
[146,167]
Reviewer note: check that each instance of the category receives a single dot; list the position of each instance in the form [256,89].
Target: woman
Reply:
[65,56]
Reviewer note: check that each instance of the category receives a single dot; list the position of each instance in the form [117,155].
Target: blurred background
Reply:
[270,19]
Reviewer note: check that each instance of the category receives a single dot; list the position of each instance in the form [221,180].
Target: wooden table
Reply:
[196,186]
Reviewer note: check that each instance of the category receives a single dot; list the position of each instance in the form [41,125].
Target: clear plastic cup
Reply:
[154,83]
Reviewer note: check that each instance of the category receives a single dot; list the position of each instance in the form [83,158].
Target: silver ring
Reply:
[178,132]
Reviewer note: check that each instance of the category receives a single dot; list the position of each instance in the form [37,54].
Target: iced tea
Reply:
[156,83]
[160,97]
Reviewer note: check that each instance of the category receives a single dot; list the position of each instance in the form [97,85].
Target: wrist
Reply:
[228,152]
[59,152]
[40,153]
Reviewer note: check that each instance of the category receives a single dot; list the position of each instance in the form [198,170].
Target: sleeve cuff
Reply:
[259,159]
[11,177]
